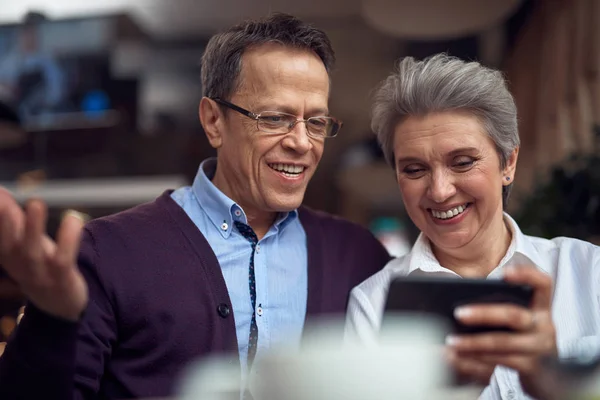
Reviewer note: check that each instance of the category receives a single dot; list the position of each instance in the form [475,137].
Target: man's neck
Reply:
[260,221]
[481,256]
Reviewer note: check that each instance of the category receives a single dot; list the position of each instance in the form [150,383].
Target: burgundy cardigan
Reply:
[158,300]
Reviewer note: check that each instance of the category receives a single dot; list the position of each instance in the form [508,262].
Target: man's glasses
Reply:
[281,123]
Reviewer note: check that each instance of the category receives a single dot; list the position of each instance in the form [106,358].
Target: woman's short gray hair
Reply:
[443,83]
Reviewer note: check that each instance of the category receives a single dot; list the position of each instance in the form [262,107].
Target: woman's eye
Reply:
[413,171]
[464,163]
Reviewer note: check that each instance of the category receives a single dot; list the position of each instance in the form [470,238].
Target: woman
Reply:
[449,129]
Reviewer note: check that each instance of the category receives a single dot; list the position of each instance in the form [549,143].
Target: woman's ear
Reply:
[511,165]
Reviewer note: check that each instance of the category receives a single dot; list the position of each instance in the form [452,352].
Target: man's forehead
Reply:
[277,59]
[263,75]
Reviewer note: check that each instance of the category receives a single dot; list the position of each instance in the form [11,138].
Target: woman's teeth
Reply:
[453,212]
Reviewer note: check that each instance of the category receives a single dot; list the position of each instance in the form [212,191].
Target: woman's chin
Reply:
[449,241]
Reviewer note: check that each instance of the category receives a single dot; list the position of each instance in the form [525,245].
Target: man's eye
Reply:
[318,122]
[272,118]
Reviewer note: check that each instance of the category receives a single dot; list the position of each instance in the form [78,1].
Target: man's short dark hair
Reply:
[222,59]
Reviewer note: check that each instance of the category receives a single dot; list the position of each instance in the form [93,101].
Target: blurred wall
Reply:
[364,58]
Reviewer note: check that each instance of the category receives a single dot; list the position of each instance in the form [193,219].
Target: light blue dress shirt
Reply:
[280,263]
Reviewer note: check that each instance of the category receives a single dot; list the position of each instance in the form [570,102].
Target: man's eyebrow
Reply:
[289,110]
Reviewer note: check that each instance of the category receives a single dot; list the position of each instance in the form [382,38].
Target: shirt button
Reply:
[224,226]
[223,310]
[237,213]
[258,248]
[259,311]
[510,394]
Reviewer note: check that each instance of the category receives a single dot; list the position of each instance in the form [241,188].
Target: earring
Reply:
[508,178]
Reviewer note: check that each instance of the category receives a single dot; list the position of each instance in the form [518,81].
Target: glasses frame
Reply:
[256,117]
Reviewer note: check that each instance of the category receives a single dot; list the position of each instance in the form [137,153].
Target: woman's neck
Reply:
[481,256]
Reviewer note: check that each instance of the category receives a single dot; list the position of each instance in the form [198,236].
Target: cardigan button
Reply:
[223,310]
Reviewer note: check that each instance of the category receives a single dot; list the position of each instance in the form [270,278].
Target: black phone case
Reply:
[440,296]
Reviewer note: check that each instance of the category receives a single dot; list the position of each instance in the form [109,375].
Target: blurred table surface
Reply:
[464,393]
[96,192]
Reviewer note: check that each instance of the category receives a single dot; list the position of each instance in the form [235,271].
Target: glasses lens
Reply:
[320,126]
[274,122]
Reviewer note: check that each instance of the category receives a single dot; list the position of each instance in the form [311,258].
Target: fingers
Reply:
[471,368]
[68,238]
[45,271]
[496,315]
[532,338]
[27,253]
[12,222]
[503,343]
[48,245]
[523,364]
[538,280]
[36,216]
[479,368]
[8,233]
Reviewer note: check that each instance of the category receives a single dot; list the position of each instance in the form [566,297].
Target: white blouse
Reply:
[574,266]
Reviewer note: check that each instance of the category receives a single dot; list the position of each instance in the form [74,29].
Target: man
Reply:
[232,263]
[30,77]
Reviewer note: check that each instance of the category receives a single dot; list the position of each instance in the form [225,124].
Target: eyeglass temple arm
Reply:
[236,108]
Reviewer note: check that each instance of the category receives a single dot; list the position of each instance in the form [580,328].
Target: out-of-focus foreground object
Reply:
[408,364]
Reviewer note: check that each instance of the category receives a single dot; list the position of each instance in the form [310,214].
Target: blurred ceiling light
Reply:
[436,19]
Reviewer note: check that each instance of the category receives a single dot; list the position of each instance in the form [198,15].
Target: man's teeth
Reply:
[449,213]
[287,168]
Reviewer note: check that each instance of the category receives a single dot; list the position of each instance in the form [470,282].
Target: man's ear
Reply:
[212,120]
[511,165]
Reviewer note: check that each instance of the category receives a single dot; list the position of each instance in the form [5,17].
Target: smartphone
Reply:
[440,296]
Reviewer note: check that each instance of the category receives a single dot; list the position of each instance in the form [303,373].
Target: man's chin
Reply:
[286,206]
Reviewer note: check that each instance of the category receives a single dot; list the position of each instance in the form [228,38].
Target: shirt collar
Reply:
[520,251]
[523,245]
[220,209]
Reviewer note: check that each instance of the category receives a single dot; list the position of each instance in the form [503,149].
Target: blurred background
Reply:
[108,109]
